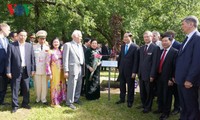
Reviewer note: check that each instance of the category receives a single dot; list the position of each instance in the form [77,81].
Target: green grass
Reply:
[113,74]
[101,109]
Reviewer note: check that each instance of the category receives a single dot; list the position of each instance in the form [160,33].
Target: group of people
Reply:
[165,68]
[63,65]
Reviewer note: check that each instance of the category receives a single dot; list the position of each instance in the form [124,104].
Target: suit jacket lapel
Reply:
[167,56]
[75,48]
[26,52]
[1,44]
[128,49]
[17,49]
[123,50]
[181,51]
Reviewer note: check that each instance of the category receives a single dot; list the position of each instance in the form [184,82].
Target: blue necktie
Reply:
[126,49]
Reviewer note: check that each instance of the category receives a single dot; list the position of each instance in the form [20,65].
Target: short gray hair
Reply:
[76,32]
[3,25]
[156,33]
[148,32]
[192,19]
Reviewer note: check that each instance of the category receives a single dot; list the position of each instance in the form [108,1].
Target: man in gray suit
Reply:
[73,59]
[20,67]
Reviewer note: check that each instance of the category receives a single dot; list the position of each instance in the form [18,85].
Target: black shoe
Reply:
[120,101]
[72,106]
[45,103]
[174,112]
[26,106]
[139,107]
[146,111]
[164,117]
[14,109]
[129,104]
[5,103]
[157,112]
[78,102]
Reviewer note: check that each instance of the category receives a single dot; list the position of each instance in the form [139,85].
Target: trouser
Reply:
[74,85]
[24,79]
[176,97]
[41,88]
[146,93]
[189,103]
[3,87]
[131,87]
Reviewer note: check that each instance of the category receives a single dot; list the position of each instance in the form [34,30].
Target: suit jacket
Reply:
[128,63]
[14,59]
[187,64]
[71,58]
[176,45]
[168,67]
[84,49]
[2,58]
[148,62]
[105,52]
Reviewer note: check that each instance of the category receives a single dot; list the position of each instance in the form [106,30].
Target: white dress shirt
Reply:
[22,53]
[189,37]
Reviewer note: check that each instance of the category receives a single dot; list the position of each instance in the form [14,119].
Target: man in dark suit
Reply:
[86,45]
[187,74]
[166,69]
[128,65]
[147,71]
[105,54]
[176,45]
[20,67]
[4,32]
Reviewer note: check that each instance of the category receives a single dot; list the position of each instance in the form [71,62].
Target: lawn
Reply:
[101,109]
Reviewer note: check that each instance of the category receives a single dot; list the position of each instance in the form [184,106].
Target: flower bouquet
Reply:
[96,62]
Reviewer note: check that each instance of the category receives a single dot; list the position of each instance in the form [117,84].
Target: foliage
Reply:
[104,20]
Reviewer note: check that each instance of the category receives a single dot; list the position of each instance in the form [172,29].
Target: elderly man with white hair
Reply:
[73,60]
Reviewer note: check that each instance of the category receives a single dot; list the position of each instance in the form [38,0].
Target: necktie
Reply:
[145,49]
[126,49]
[161,61]
[41,47]
[183,44]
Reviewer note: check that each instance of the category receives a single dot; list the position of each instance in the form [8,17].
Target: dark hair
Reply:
[12,34]
[22,30]
[168,36]
[51,43]
[86,40]
[192,19]
[170,32]
[129,34]
[94,39]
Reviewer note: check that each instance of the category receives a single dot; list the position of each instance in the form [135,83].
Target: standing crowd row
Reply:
[164,68]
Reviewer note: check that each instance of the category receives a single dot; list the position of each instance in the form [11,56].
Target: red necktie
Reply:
[161,61]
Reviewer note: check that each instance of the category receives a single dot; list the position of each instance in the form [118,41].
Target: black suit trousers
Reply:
[189,103]
[146,93]
[3,87]
[131,87]
[164,96]
[24,80]
[176,97]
